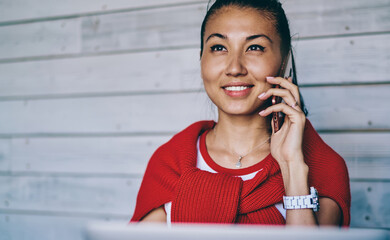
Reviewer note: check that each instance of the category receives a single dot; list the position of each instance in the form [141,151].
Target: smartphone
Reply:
[286,71]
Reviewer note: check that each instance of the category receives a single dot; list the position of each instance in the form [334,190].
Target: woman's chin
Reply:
[240,111]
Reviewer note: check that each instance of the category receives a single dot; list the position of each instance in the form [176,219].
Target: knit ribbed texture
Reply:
[200,193]
[199,196]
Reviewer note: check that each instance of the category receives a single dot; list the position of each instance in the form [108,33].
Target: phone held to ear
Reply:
[286,71]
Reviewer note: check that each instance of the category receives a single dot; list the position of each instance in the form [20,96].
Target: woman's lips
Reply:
[237,90]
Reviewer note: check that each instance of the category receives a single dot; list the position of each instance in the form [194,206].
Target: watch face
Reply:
[315,201]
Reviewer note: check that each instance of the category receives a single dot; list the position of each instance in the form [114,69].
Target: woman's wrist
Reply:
[295,178]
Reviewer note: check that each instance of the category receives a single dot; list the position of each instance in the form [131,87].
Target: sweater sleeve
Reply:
[158,184]
[328,172]
[165,168]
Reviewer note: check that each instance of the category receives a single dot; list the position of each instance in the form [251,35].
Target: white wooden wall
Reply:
[89,89]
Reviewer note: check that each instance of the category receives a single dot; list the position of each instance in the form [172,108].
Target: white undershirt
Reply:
[202,165]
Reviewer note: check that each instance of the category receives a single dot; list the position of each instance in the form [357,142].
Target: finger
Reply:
[287,84]
[287,96]
[281,107]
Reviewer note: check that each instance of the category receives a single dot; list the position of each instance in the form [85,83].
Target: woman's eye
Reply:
[256,48]
[217,48]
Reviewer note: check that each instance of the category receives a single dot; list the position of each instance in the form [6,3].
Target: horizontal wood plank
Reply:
[133,114]
[40,39]
[19,10]
[311,18]
[369,206]
[159,28]
[361,59]
[154,28]
[174,70]
[348,108]
[339,62]
[41,227]
[70,195]
[367,154]
[367,108]
[102,155]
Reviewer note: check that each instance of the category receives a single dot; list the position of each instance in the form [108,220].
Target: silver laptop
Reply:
[124,231]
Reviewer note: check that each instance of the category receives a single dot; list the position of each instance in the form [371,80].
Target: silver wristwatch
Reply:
[300,202]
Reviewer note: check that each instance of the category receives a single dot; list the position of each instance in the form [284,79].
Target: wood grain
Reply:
[5,154]
[312,18]
[128,114]
[348,108]
[174,70]
[367,154]
[69,195]
[40,39]
[82,155]
[370,208]
[20,10]
[43,227]
[361,59]
[154,28]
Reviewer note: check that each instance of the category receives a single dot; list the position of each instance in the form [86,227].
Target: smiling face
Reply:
[241,48]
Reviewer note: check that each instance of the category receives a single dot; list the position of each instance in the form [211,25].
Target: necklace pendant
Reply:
[238,164]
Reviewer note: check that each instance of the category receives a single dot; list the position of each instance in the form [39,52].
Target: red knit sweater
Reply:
[203,197]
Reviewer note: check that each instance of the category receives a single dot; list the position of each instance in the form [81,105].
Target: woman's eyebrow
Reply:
[216,35]
[247,39]
[258,36]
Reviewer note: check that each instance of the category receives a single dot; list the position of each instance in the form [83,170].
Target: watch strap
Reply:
[302,202]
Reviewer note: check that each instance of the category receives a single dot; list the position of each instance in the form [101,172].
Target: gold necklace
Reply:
[240,157]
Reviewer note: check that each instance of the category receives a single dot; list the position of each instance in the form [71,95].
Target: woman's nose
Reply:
[235,66]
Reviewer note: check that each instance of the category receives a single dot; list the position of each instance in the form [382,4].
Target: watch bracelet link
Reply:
[302,202]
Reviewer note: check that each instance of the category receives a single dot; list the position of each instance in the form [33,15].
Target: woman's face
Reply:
[241,48]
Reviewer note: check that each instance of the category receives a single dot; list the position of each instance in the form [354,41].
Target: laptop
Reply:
[147,231]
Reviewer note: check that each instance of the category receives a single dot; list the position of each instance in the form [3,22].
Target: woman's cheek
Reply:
[211,70]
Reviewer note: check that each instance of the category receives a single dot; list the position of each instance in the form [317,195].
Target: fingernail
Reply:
[269,78]
[261,95]
[261,113]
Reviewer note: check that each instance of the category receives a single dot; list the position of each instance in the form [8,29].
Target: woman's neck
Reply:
[240,134]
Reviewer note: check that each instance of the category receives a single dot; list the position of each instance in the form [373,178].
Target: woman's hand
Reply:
[286,144]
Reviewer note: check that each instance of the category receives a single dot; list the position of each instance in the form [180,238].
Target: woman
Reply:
[239,170]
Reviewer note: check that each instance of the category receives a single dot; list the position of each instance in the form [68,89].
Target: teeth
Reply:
[236,88]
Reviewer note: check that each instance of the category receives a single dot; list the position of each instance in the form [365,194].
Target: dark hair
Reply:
[272,9]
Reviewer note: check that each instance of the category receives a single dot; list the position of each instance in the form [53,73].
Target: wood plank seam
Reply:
[92,54]
[97,94]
